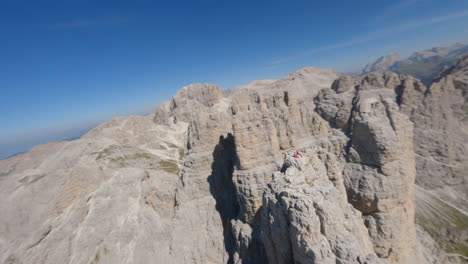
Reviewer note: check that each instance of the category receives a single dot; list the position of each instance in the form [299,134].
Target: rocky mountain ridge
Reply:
[382,63]
[210,178]
[424,64]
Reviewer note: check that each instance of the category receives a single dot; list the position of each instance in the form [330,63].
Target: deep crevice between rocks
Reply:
[399,90]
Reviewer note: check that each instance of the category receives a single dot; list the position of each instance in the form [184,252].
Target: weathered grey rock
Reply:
[335,107]
[441,135]
[211,179]
[439,115]
[381,173]
[108,197]
[344,83]
[304,219]
[239,142]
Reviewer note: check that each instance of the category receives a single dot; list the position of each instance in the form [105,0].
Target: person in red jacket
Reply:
[297,154]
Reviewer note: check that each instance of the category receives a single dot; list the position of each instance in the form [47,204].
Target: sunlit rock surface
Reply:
[209,177]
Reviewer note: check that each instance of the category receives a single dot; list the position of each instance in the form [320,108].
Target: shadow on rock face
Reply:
[225,160]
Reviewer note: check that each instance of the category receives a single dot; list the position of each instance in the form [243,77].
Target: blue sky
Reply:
[67,65]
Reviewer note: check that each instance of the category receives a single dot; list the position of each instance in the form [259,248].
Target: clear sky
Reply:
[68,65]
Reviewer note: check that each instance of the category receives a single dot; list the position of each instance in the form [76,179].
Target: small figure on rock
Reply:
[297,155]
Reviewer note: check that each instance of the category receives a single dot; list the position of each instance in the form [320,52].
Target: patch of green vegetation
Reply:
[171,145]
[459,219]
[445,219]
[122,161]
[32,178]
[105,152]
[169,166]
[37,177]
[427,225]
[454,247]
[97,257]
[139,156]
[181,153]
[455,259]
[462,248]
[168,145]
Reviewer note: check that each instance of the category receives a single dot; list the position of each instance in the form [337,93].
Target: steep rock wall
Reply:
[237,143]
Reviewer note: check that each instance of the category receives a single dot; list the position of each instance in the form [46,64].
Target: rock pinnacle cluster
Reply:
[211,177]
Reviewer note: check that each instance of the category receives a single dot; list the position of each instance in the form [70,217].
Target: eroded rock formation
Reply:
[210,178]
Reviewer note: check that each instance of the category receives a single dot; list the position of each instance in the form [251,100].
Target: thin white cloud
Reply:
[395,9]
[429,21]
[88,22]
[376,34]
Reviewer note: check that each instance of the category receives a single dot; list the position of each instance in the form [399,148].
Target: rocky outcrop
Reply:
[210,178]
[380,169]
[441,136]
[306,220]
[252,130]
[381,172]
[100,199]
[439,115]
[245,135]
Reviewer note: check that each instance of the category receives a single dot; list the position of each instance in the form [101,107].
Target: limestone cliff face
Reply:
[210,178]
[235,145]
[305,218]
[442,134]
[380,170]
[438,114]
[250,133]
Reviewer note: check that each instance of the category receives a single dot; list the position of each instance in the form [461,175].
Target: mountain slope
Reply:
[383,63]
[210,178]
[424,65]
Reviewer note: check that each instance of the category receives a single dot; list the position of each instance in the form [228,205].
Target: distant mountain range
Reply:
[424,65]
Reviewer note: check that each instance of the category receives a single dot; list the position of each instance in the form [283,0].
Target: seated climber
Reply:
[297,154]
